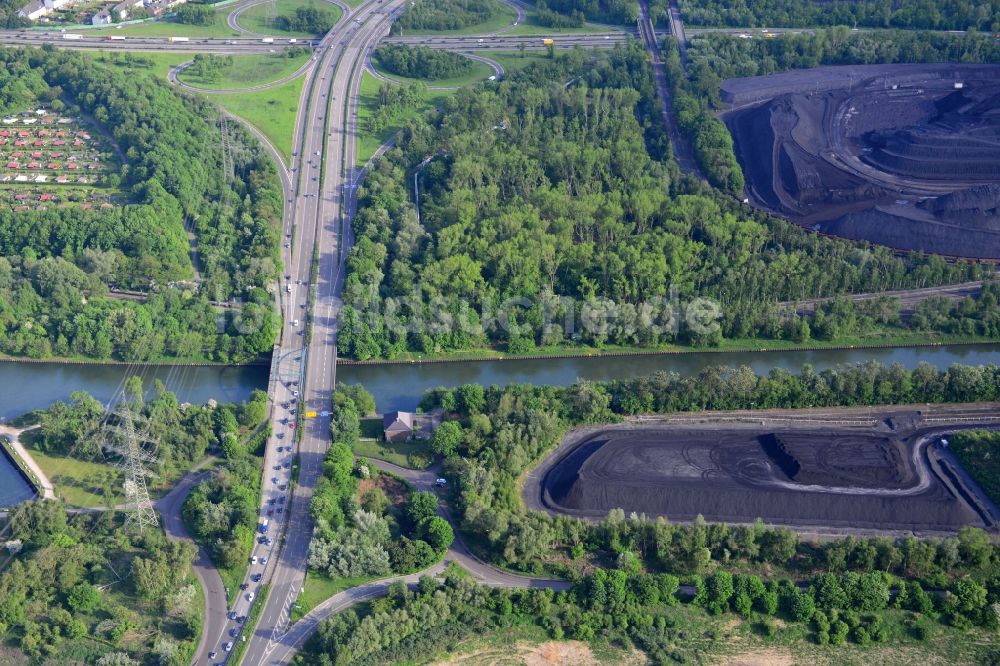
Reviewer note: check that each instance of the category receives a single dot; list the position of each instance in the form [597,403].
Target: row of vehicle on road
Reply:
[272,509]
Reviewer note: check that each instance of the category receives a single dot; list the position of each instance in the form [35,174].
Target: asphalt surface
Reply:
[325,183]
[243,45]
[213,591]
[284,649]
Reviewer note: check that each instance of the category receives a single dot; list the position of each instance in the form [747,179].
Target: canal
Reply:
[27,386]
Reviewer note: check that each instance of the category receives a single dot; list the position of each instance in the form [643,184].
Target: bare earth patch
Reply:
[759,658]
[550,653]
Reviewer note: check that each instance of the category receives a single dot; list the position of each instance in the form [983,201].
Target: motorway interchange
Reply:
[319,186]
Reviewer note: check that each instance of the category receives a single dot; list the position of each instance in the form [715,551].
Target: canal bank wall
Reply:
[20,466]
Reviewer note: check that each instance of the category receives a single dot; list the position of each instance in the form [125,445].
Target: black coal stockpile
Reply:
[906,156]
[820,478]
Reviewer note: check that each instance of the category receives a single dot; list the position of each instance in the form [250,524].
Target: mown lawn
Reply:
[479,71]
[171,28]
[158,64]
[404,454]
[272,111]
[368,142]
[512,61]
[256,18]
[247,71]
[79,482]
[318,587]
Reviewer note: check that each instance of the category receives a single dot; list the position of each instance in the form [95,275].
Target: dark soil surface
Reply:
[901,155]
[841,477]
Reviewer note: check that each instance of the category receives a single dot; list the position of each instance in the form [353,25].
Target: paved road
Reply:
[325,196]
[239,45]
[511,43]
[214,592]
[290,642]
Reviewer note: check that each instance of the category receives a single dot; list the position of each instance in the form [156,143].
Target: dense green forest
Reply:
[542,204]
[446,15]
[846,589]
[979,453]
[421,62]
[83,587]
[85,590]
[909,14]
[56,265]
[305,19]
[505,431]
[625,605]
[553,19]
[619,12]
[362,534]
[193,13]
[714,57]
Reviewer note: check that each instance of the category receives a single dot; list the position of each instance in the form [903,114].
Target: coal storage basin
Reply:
[826,478]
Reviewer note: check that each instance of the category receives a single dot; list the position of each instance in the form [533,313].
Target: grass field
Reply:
[480,71]
[157,64]
[171,28]
[369,142]
[77,481]
[512,60]
[249,70]
[398,453]
[272,111]
[532,27]
[255,18]
[317,588]
[502,20]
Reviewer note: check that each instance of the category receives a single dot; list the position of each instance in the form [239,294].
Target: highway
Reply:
[319,189]
[323,201]
[238,46]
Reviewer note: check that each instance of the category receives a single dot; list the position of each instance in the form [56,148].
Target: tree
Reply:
[438,533]
[84,598]
[152,577]
[375,501]
[718,591]
[37,522]
[447,438]
[421,507]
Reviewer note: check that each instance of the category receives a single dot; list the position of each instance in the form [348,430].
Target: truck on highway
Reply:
[72,35]
[115,38]
[268,40]
[174,40]
[293,41]
[548,41]
[263,526]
